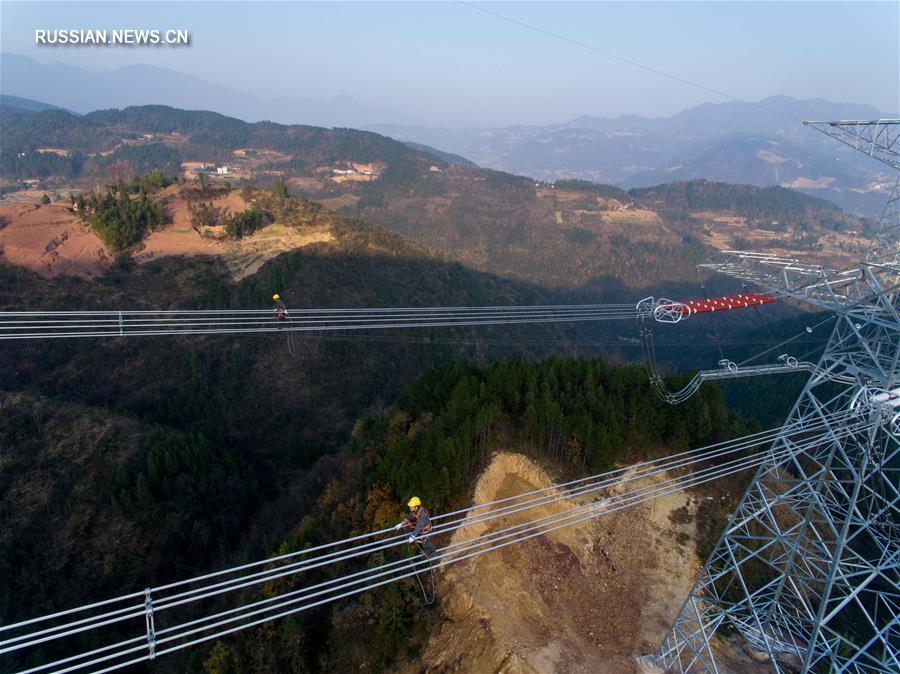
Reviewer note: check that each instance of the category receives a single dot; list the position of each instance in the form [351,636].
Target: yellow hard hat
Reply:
[276,296]
[414,501]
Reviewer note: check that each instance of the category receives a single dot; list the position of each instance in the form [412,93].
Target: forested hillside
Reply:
[774,208]
[129,439]
[563,234]
[110,136]
[578,415]
[134,462]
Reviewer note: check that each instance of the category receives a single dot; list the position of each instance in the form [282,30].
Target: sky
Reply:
[451,64]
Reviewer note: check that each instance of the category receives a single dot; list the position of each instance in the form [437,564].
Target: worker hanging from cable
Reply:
[420,523]
[280,309]
[281,317]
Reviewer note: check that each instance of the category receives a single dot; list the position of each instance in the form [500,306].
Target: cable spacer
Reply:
[151,625]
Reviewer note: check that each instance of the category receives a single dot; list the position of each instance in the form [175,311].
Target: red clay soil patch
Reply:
[175,240]
[231,203]
[50,241]
[243,257]
[179,237]
[179,212]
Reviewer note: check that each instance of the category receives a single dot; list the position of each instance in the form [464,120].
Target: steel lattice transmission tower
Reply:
[807,568]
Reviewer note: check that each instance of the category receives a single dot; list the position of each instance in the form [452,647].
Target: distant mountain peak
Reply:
[84,91]
[27,104]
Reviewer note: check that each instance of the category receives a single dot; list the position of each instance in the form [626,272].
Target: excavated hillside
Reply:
[587,598]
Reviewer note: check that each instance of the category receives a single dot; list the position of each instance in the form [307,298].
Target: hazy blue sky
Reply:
[449,64]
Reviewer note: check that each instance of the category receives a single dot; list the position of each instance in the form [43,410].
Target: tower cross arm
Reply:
[822,522]
[861,290]
[879,138]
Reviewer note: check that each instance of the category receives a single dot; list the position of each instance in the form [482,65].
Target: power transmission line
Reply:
[628,61]
[385,573]
[602,52]
[63,324]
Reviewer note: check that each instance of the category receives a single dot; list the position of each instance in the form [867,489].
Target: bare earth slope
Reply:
[52,241]
[587,598]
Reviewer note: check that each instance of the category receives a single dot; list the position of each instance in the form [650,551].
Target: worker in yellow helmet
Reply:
[280,310]
[419,521]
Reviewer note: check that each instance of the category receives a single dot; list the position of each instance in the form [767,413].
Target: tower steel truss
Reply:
[878,138]
[807,570]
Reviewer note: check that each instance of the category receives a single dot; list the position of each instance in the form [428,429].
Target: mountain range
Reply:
[759,143]
[762,143]
[131,463]
[27,105]
[564,235]
[83,91]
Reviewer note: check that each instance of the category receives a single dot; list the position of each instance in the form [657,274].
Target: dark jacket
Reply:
[419,522]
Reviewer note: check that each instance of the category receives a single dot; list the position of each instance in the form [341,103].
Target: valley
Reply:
[486,219]
[758,143]
[131,462]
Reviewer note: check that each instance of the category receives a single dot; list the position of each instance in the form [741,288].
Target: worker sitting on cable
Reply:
[280,310]
[420,523]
